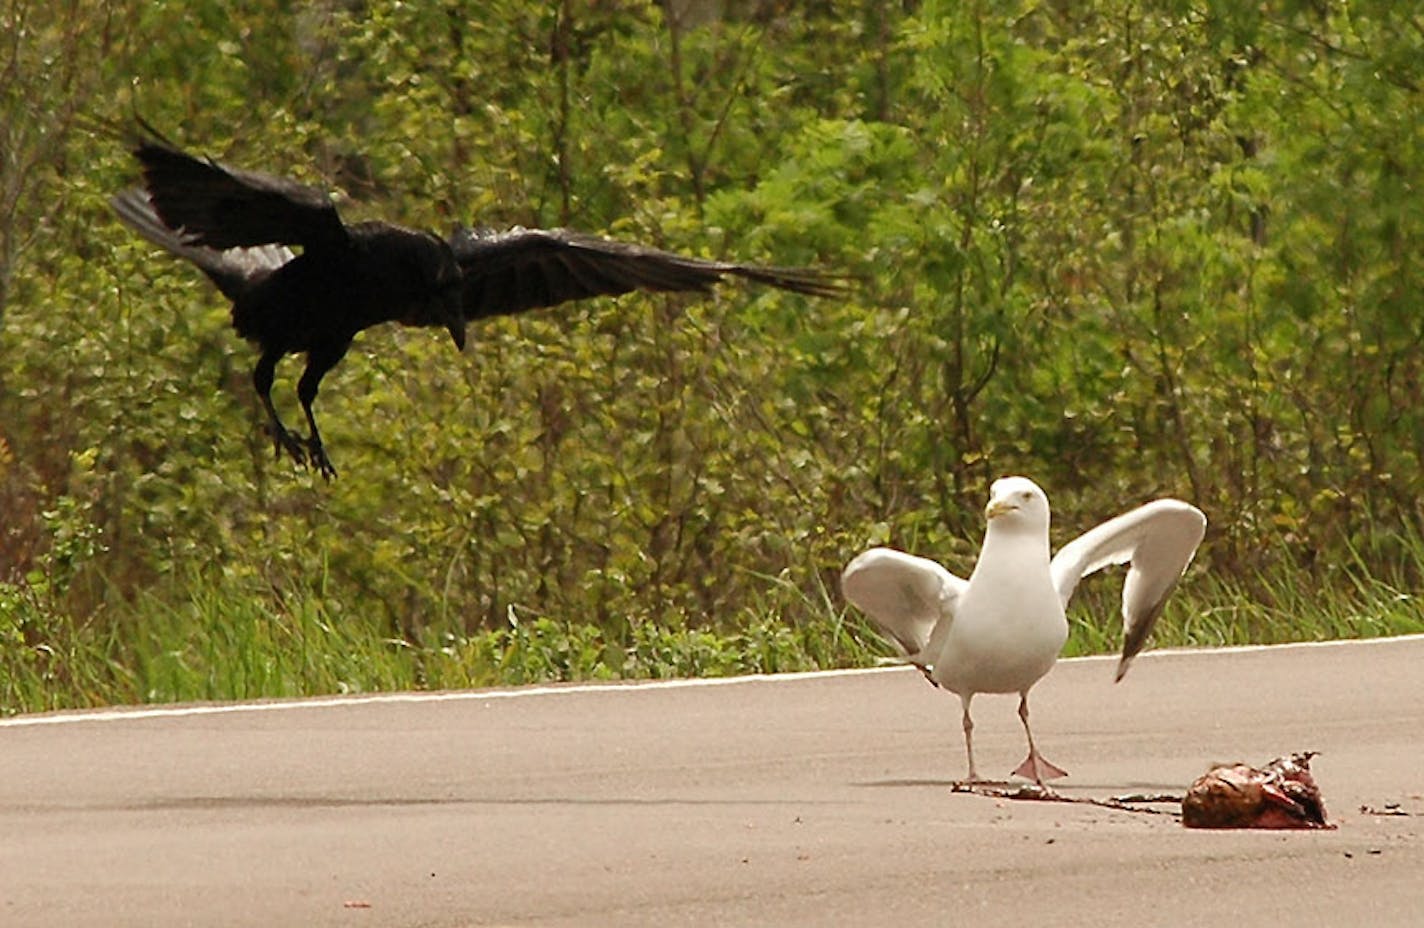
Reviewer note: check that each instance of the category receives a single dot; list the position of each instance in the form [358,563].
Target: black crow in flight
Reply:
[240,227]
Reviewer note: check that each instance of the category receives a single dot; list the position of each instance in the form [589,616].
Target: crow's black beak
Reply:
[457,332]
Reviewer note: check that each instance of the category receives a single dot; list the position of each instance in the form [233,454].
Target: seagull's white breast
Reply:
[1009,625]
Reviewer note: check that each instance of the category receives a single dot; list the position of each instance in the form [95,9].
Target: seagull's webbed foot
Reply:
[1037,769]
[1034,767]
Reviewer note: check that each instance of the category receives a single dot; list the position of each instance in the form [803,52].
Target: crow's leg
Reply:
[319,361]
[282,440]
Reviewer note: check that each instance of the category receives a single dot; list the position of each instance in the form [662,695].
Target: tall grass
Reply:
[213,637]
[221,638]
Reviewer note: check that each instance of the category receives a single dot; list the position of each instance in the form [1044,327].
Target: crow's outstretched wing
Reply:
[233,269]
[220,207]
[519,269]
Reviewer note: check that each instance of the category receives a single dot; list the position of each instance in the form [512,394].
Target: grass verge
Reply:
[207,639]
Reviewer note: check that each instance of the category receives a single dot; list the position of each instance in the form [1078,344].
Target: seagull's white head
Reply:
[1017,501]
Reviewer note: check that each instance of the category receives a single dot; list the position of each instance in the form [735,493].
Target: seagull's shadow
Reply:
[317,803]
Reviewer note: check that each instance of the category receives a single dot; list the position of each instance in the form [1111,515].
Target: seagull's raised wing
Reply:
[907,596]
[519,269]
[1156,541]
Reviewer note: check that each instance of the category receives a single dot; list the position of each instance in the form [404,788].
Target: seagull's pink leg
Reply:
[969,738]
[1034,766]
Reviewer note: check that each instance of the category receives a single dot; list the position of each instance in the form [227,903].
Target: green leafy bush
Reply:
[1127,252]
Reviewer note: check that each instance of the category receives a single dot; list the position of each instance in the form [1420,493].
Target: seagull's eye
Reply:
[1025,495]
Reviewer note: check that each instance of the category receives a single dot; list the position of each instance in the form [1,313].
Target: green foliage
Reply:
[1128,250]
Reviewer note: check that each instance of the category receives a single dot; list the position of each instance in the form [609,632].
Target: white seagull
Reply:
[1001,630]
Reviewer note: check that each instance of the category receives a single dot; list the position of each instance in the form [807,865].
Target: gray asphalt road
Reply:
[818,800]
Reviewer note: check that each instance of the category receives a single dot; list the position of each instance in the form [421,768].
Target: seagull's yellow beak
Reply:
[998,507]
